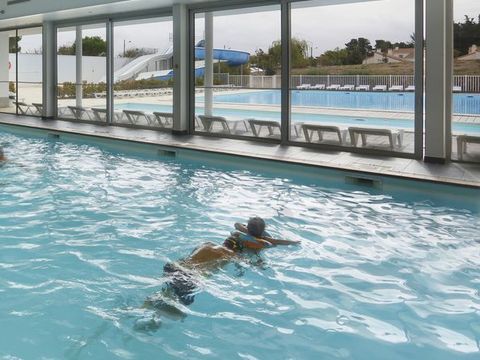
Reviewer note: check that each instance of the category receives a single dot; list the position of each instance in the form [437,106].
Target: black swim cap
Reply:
[256,226]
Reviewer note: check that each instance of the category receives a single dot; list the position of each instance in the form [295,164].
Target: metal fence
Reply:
[466,83]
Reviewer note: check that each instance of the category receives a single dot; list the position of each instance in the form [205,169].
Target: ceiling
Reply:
[37,11]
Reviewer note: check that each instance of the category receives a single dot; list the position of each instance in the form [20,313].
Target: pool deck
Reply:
[452,173]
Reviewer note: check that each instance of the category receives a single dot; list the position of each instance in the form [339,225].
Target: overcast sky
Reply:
[324,27]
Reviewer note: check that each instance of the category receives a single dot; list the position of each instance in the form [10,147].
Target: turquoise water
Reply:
[389,101]
[458,127]
[86,230]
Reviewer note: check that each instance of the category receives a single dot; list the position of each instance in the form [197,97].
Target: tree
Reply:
[91,46]
[137,52]
[358,50]
[383,46]
[13,44]
[334,57]
[271,61]
[466,34]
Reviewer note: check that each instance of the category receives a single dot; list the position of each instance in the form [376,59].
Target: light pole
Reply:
[124,44]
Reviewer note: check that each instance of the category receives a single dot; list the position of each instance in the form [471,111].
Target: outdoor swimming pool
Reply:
[243,113]
[389,101]
[86,230]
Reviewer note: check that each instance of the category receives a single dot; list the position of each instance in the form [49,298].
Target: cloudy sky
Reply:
[324,27]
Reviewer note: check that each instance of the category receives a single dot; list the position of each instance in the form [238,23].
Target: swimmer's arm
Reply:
[281,242]
[241,227]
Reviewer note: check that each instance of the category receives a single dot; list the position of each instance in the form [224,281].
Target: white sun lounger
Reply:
[209,121]
[100,114]
[134,116]
[38,108]
[347,87]
[310,129]
[457,89]
[318,87]
[79,112]
[410,88]
[462,141]
[165,120]
[333,87]
[304,87]
[380,88]
[23,107]
[395,137]
[396,88]
[363,87]
[271,125]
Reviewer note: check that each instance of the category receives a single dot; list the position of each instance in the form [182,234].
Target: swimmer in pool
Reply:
[181,276]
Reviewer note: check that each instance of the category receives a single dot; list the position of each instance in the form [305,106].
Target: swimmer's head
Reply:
[256,226]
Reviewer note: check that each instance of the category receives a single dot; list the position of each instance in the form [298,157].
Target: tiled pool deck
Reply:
[453,173]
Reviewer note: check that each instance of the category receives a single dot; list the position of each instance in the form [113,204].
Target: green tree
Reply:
[270,62]
[358,50]
[334,57]
[466,34]
[91,46]
[137,52]
[13,43]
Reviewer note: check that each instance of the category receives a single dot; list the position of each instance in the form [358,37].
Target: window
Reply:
[8,73]
[466,81]
[237,69]
[30,72]
[81,74]
[352,68]
[143,73]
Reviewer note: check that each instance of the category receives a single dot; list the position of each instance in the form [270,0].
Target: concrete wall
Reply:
[30,68]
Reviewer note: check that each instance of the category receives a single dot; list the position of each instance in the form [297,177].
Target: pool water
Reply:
[242,113]
[389,101]
[86,230]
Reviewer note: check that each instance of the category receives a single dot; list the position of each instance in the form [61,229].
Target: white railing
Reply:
[467,83]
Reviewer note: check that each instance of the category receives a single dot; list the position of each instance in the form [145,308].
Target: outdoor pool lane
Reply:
[86,230]
[388,101]
[242,113]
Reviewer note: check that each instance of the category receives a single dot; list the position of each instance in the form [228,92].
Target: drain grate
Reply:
[363,181]
[167,153]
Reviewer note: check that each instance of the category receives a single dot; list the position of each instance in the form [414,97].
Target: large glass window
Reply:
[30,72]
[352,74]
[466,81]
[143,73]
[82,72]
[237,72]
[8,78]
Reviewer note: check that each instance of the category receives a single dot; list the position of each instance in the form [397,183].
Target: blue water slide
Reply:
[232,57]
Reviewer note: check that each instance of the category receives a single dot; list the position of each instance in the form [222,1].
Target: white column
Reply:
[4,76]
[48,70]
[181,66]
[78,56]
[208,63]
[438,79]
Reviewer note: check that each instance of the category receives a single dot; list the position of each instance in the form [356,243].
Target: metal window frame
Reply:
[210,7]
[285,14]
[418,110]
[109,22]
[16,29]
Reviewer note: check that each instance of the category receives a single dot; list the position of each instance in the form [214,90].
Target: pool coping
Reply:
[206,144]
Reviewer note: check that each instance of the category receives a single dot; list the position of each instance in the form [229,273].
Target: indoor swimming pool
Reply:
[87,226]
